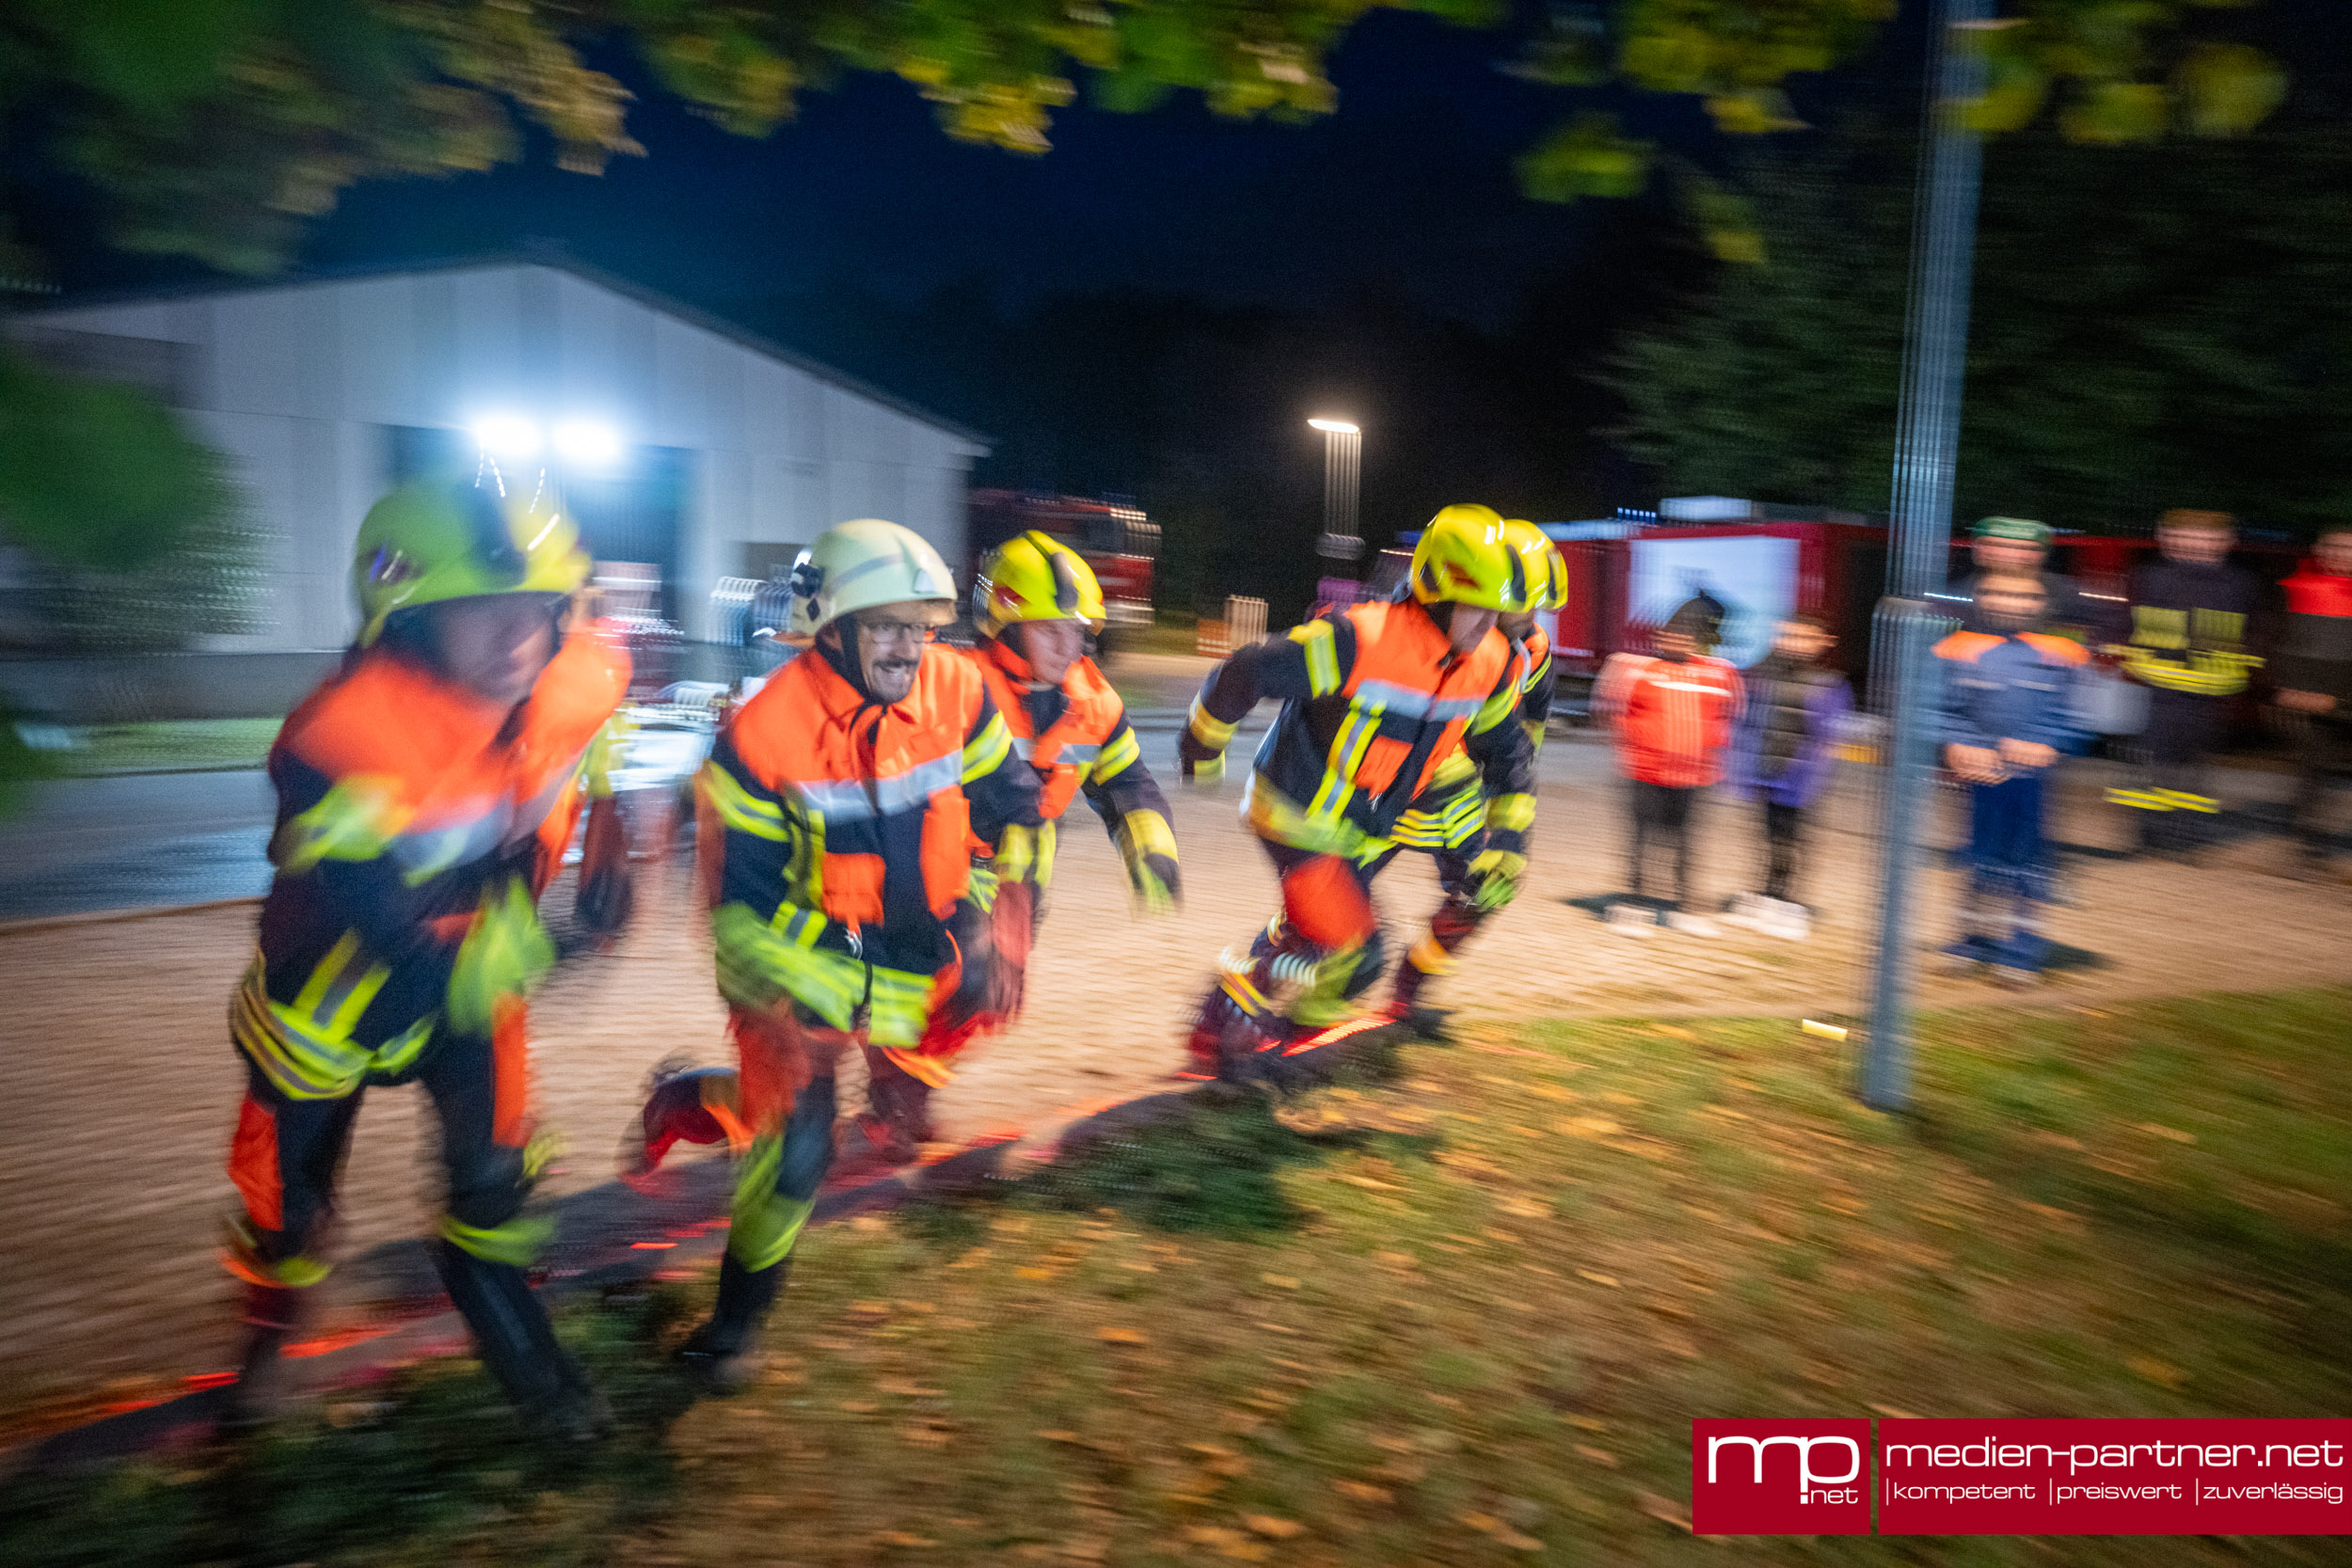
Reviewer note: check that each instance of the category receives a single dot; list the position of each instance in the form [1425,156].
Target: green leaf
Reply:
[2112,113]
[1587,156]
[2228,88]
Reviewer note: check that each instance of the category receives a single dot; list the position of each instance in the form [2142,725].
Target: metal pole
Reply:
[1936,353]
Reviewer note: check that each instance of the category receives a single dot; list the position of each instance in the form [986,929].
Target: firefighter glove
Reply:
[507,953]
[1494,879]
[1203,766]
[1149,848]
[981,889]
[1016,856]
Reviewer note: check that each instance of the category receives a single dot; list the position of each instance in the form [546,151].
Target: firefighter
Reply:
[425,794]
[1034,604]
[1448,820]
[2190,617]
[1376,698]
[837,813]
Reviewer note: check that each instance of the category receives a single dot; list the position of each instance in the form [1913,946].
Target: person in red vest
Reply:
[2313,670]
[835,825]
[1376,699]
[425,796]
[1670,713]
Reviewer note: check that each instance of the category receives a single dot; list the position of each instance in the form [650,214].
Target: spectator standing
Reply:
[1671,714]
[1781,756]
[2008,711]
[2021,546]
[2313,670]
[2191,618]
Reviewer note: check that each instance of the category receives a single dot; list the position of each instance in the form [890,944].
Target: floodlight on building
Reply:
[590,443]
[507,435]
[1332,427]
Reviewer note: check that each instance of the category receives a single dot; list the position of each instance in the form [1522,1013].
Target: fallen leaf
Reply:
[902,1538]
[1363,1492]
[1517,1543]
[1892,1414]
[2161,1373]
[1525,1209]
[1588,1423]
[1618,1097]
[1215,1450]
[1599,1456]
[1273,1528]
[2157,1129]
[1664,1509]
[1281,1281]
[1597,1279]
[1123,1336]
[1057,1434]
[1227,1541]
[1588,1126]
[1030,1270]
[1672,1032]
[1485,1524]
[858,1407]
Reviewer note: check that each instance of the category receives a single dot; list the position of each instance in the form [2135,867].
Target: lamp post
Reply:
[1342,454]
[1910,618]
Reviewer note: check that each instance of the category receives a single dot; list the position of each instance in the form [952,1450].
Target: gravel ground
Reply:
[118,1085]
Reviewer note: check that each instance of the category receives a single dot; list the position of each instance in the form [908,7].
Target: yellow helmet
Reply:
[431,540]
[1035,577]
[1546,565]
[1464,558]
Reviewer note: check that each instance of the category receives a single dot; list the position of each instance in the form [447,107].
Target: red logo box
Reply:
[1780,1478]
[2133,1476]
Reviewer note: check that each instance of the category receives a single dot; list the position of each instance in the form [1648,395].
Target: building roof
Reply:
[555,259]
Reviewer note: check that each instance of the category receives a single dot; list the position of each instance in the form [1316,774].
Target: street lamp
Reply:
[1342,454]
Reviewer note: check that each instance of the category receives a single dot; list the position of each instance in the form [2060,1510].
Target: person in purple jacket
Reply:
[1781,756]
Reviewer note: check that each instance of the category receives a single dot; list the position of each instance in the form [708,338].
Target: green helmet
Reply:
[2023,531]
[432,540]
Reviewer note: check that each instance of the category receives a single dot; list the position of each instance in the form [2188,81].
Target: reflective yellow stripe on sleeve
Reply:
[1116,758]
[1499,705]
[1511,812]
[1323,656]
[1213,733]
[986,751]
[738,807]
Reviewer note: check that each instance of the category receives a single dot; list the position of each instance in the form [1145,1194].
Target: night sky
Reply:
[1409,186]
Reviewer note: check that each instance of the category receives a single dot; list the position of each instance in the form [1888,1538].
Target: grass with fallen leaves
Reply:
[1463,1314]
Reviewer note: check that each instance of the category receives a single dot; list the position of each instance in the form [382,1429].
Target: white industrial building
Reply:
[680,441]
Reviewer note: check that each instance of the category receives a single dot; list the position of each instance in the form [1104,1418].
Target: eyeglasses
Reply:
[897,631]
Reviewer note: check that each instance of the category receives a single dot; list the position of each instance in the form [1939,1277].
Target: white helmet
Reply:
[859,564]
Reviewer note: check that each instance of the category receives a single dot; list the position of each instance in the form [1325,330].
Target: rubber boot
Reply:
[724,1354]
[270,1315]
[899,1122]
[549,1389]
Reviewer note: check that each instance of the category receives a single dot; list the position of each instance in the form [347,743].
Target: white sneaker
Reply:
[1790,922]
[1632,920]
[1745,909]
[1692,925]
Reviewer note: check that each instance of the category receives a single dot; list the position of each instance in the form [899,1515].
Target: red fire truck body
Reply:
[1116,539]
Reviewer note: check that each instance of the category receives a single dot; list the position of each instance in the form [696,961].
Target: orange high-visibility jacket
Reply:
[1376,701]
[402,798]
[847,824]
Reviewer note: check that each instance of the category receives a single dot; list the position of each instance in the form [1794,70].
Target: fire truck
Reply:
[1114,536]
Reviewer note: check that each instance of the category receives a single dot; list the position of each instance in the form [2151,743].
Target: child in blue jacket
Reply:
[2009,713]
